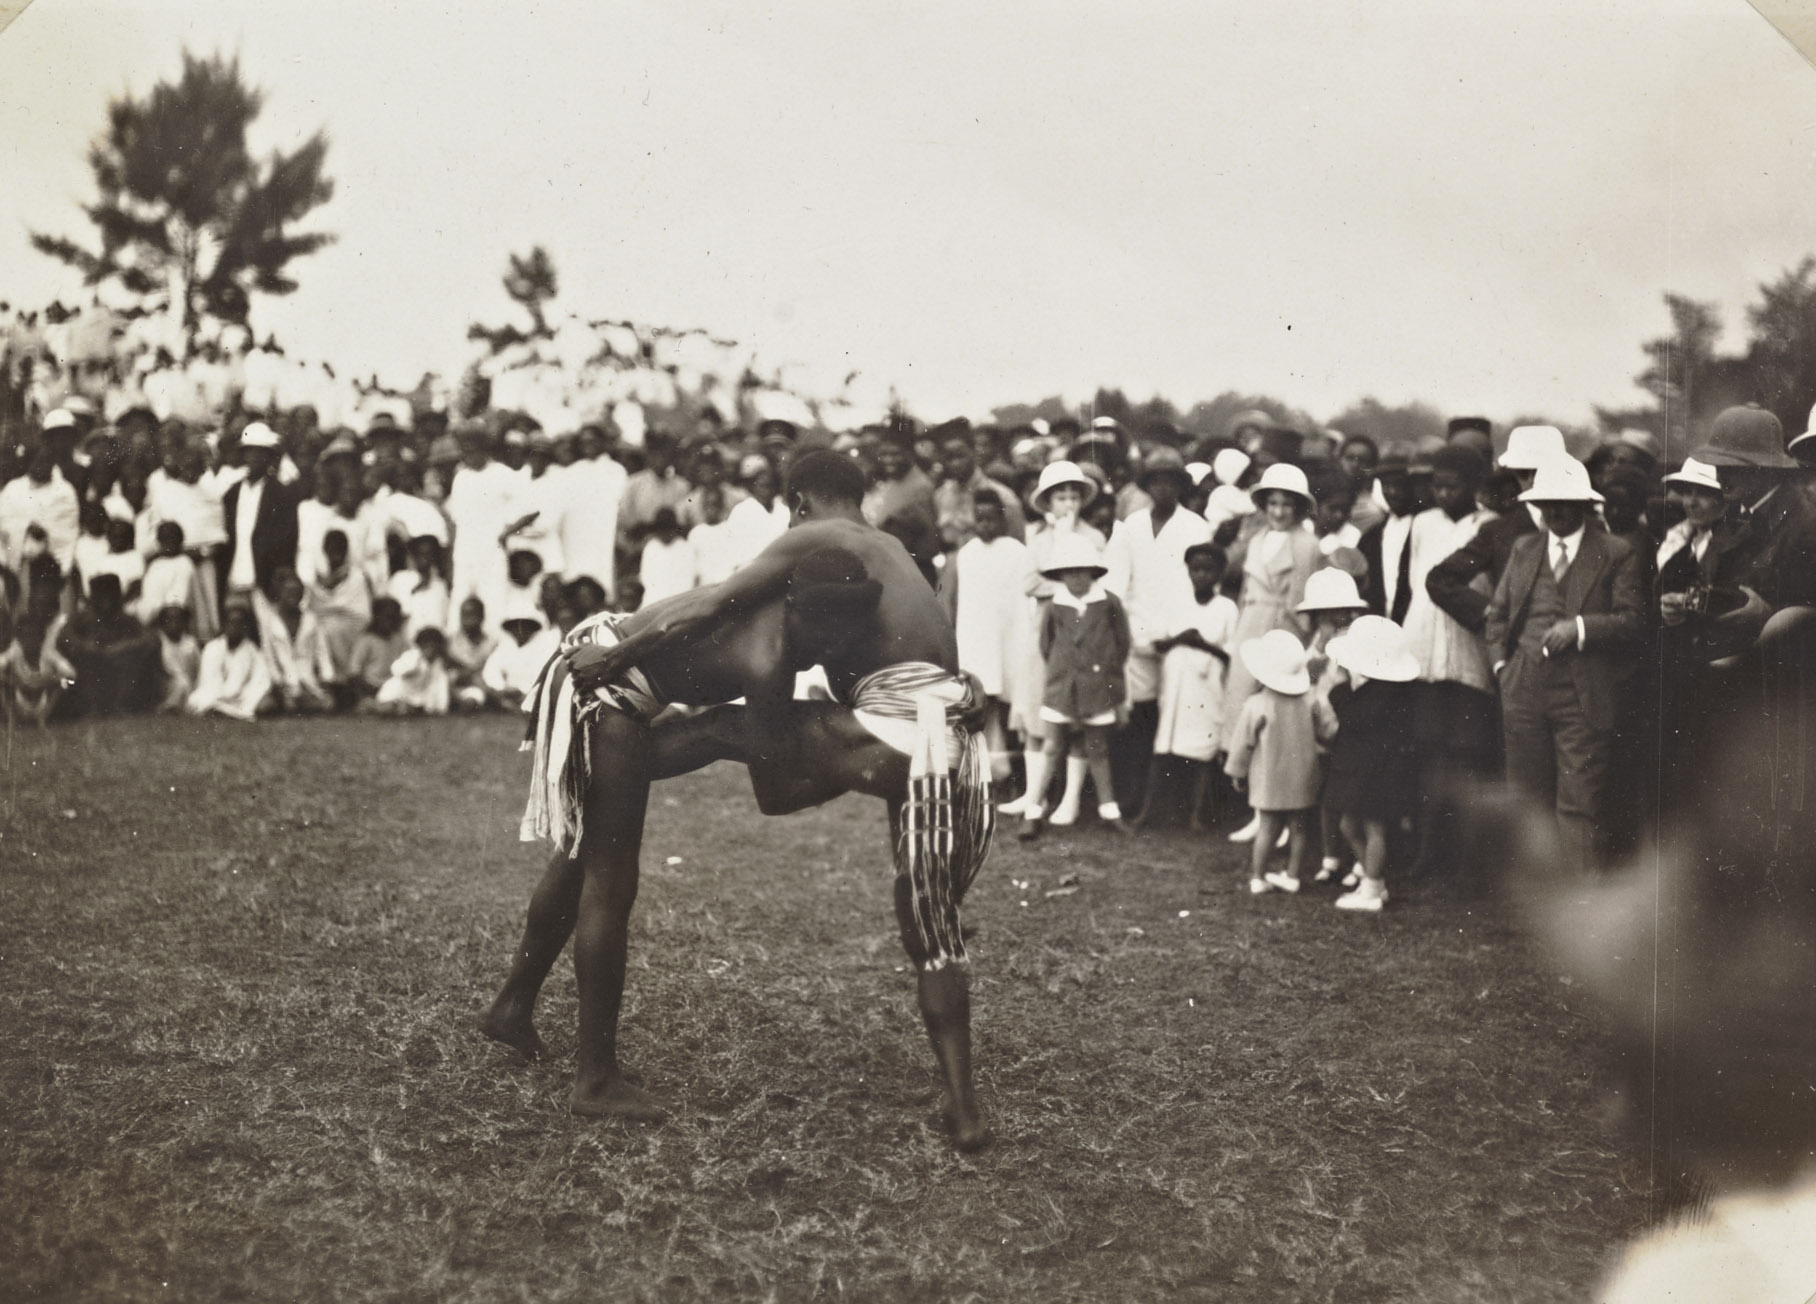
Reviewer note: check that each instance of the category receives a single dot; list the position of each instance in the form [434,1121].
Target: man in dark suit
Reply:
[1564,630]
[1452,582]
[261,521]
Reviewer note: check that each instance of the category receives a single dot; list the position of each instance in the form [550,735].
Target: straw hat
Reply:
[1278,662]
[1746,435]
[1530,447]
[1331,589]
[1561,480]
[1375,648]
[1074,552]
[1282,477]
[1696,474]
[1053,475]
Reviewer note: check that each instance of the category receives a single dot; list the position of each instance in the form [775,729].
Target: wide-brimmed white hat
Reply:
[1277,660]
[1807,438]
[58,419]
[1053,475]
[260,435]
[1561,480]
[1199,471]
[1282,477]
[1696,474]
[1331,589]
[1375,648]
[1530,447]
[1229,464]
[1074,552]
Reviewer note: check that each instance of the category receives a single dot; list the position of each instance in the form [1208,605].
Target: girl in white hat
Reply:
[1084,636]
[1275,754]
[1371,779]
[1276,563]
[1057,513]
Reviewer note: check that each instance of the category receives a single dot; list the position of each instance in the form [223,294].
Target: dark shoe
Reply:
[1029,830]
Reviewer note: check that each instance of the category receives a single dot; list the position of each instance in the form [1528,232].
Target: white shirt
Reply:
[592,491]
[242,574]
[668,568]
[1147,570]
[1566,546]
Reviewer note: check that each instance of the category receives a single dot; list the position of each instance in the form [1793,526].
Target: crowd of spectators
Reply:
[1293,621]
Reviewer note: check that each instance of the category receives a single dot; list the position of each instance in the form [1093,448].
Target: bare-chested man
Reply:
[831,591]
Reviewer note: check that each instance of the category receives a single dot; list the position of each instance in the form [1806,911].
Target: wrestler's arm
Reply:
[688,617]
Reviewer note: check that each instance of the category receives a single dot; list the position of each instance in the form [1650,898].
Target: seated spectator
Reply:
[33,674]
[469,648]
[91,543]
[180,655]
[512,669]
[115,657]
[422,590]
[419,682]
[296,651]
[377,649]
[232,679]
[670,565]
[340,598]
[170,578]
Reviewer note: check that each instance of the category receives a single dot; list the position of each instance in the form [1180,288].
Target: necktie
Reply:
[1403,589]
[1560,562]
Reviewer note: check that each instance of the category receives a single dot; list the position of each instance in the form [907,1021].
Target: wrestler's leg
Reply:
[553,907]
[616,800]
[945,1001]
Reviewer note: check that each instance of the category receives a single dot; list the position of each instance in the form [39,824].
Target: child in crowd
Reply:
[1195,659]
[232,679]
[1274,754]
[1372,777]
[718,547]
[1084,639]
[180,655]
[552,601]
[91,543]
[588,595]
[630,595]
[669,564]
[419,681]
[340,599]
[511,670]
[983,589]
[422,590]
[33,674]
[377,649]
[170,579]
[296,652]
[122,558]
[1332,601]
[469,648]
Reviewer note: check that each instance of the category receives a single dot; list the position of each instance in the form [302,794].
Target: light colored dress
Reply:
[232,681]
[1191,682]
[416,685]
[342,607]
[988,606]
[1276,747]
[1275,567]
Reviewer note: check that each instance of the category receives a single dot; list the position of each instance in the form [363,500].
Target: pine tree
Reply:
[188,219]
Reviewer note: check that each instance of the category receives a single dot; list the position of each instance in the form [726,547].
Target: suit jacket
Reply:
[273,531]
[1084,652]
[1604,587]
[1451,583]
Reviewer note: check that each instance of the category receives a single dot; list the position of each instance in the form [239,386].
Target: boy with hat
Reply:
[1084,639]
[1565,630]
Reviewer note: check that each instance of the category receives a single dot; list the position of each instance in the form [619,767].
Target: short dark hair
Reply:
[167,529]
[1207,552]
[826,474]
[1367,441]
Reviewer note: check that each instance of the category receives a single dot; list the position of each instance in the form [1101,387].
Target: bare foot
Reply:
[969,1133]
[616,1098]
[513,1029]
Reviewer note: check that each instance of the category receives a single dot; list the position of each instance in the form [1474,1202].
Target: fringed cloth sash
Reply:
[560,729]
[948,817]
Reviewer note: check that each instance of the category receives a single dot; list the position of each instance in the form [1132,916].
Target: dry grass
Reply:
[240,966]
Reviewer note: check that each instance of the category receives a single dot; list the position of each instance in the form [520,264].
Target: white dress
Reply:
[990,621]
[232,681]
[1191,682]
[1147,571]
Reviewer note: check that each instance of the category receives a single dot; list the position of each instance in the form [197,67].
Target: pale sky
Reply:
[1474,204]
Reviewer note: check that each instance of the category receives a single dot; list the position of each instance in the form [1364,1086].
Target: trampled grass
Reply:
[241,966]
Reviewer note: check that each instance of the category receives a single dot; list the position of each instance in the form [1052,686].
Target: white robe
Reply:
[1191,682]
[547,495]
[1447,651]
[589,524]
[990,620]
[232,681]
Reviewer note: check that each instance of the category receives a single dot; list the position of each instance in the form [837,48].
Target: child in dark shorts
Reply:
[1370,776]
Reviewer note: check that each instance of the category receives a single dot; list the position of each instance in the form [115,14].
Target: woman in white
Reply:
[1056,511]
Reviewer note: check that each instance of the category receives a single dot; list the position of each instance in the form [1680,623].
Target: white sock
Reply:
[1067,810]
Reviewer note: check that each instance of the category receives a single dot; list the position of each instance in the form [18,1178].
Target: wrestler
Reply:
[831,591]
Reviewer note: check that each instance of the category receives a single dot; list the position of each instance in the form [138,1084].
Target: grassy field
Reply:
[240,966]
